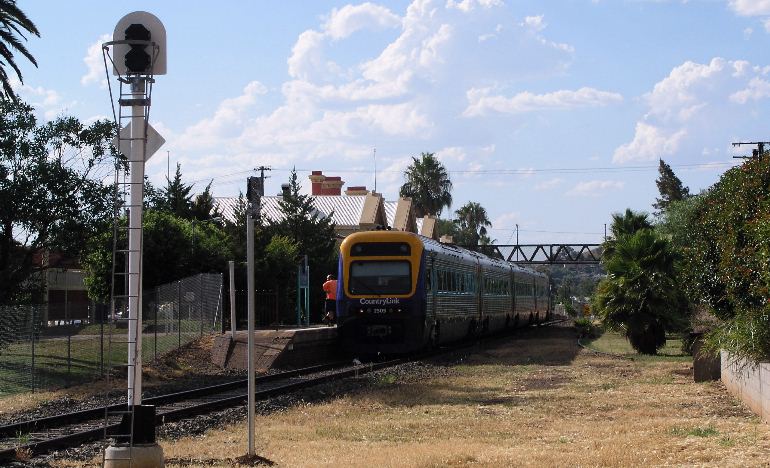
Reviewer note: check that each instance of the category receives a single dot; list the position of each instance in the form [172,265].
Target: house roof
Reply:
[345,210]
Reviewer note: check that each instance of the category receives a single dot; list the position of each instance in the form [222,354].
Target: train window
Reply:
[428,280]
[380,277]
[380,249]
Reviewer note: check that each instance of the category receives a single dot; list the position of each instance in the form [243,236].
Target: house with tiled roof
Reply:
[358,209]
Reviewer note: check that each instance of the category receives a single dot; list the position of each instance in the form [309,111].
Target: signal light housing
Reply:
[138,60]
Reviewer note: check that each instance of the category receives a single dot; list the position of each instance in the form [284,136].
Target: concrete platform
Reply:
[277,349]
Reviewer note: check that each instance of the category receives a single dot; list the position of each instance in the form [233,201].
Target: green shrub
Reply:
[723,237]
[585,327]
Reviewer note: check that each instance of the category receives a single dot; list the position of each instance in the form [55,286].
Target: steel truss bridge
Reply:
[546,254]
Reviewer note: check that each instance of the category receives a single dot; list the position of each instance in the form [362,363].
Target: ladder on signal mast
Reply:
[119,343]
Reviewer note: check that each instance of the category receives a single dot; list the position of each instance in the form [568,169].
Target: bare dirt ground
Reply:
[532,400]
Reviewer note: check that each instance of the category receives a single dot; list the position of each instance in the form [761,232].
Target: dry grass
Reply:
[532,401]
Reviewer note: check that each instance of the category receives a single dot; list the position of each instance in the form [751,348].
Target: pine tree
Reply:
[314,236]
[203,207]
[670,188]
[176,196]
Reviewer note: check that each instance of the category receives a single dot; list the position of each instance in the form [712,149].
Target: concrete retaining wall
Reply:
[751,384]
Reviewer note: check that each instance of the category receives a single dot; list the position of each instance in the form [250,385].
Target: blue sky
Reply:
[550,114]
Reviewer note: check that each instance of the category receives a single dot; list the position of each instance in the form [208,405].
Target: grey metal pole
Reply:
[179,312]
[250,321]
[231,270]
[101,343]
[136,164]
[157,306]
[32,335]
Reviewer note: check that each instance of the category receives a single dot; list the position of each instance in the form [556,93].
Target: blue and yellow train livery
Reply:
[399,292]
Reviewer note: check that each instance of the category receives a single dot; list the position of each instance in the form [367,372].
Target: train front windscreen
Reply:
[380,277]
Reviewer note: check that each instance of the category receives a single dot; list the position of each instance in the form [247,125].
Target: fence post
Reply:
[200,302]
[32,335]
[179,312]
[69,356]
[101,342]
[233,321]
[157,307]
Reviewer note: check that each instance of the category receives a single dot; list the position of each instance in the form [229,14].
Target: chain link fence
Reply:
[37,355]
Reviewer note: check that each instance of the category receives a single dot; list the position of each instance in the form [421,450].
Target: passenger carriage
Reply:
[399,292]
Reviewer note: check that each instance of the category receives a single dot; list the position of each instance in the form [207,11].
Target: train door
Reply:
[512,280]
[431,324]
[479,294]
[430,276]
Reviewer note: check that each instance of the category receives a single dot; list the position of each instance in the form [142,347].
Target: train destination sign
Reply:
[380,301]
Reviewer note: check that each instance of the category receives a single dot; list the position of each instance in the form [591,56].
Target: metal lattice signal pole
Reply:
[139,49]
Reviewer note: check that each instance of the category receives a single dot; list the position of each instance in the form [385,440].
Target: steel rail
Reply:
[52,425]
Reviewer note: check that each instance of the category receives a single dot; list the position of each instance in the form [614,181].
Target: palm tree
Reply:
[12,22]
[472,222]
[640,296]
[428,185]
[624,224]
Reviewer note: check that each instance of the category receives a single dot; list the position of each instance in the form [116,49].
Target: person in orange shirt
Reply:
[330,305]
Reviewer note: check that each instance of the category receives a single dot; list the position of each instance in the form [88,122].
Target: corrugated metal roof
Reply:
[345,209]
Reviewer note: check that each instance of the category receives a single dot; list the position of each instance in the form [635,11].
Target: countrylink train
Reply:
[398,292]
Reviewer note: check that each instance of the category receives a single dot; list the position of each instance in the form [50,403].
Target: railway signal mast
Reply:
[137,54]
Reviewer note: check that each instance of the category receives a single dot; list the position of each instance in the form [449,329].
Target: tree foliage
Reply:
[51,195]
[640,295]
[428,185]
[670,187]
[723,235]
[173,247]
[472,222]
[13,24]
[312,234]
[176,197]
[203,207]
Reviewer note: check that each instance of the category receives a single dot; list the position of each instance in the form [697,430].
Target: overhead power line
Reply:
[521,171]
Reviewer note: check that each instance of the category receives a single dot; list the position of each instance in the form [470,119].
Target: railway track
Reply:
[43,435]
[71,429]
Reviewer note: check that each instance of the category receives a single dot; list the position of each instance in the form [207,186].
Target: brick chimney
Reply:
[356,190]
[324,185]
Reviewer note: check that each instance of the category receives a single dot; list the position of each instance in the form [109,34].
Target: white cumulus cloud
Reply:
[696,104]
[94,61]
[756,89]
[750,7]
[351,18]
[549,184]
[404,96]
[481,101]
[595,188]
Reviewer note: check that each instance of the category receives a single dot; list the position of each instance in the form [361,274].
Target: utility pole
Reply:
[262,170]
[252,212]
[755,153]
[374,155]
